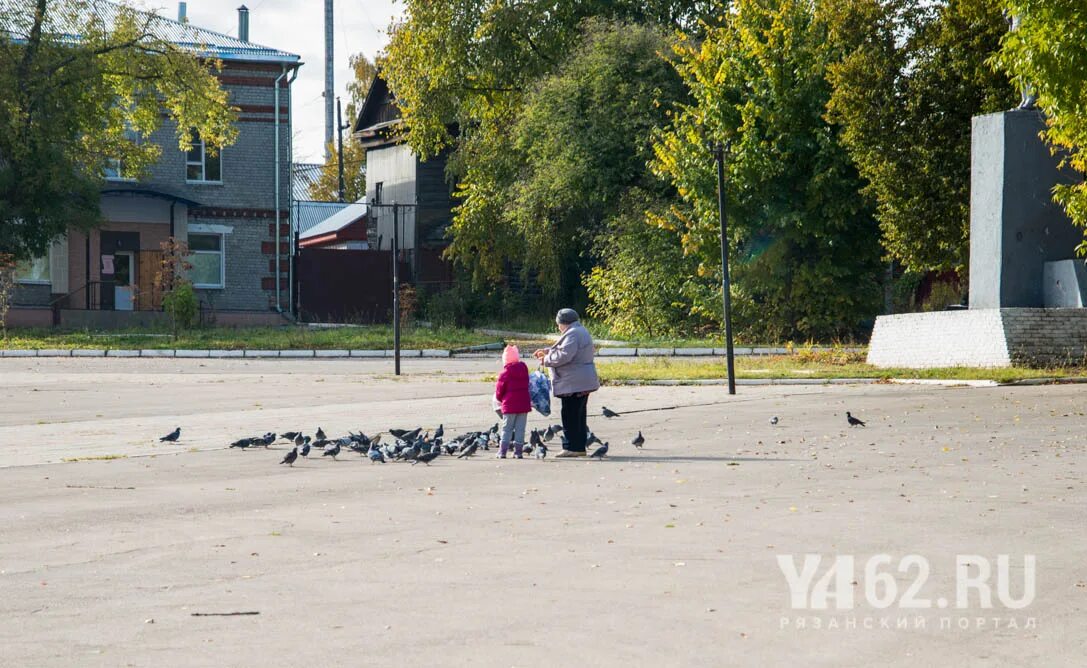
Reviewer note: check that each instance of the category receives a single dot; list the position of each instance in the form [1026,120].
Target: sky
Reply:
[297,26]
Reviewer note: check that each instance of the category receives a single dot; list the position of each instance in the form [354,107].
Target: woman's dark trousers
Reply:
[575,421]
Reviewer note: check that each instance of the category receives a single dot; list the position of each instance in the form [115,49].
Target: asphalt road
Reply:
[667,556]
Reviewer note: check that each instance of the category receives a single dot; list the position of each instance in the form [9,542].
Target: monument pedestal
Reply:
[1016,232]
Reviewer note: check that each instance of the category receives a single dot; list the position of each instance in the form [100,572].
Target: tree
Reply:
[327,186]
[804,243]
[461,72]
[1048,53]
[904,94]
[71,107]
[579,143]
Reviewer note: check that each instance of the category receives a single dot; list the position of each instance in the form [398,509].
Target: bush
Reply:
[182,306]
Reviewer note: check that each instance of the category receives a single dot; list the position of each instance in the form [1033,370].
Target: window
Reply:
[34,271]
[200,165]
[207,260]
[378,188]
[115,168]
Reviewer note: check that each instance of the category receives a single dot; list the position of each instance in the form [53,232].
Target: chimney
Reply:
[182,12]
[243,23]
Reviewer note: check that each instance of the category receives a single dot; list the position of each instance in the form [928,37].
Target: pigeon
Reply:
[305,447]
[321,434]
[600,452]
[426,458]
[541,451]
[299,439]
[557,428]
[853,422]
[534,438]
[242,443]
[331,451]
[638,441]
[590,439]
[469,451]
[266,440]
[291,435]
[376,455]
[774,420]
[548,434]
[172,436]
[440,432]
[608,413]
[290,457]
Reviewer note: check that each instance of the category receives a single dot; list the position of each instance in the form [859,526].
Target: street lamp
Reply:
[719,155]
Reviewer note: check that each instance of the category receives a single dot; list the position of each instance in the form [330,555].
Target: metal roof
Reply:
[308,215]
[349,214]
[203,42]
[303,176]
[153,194]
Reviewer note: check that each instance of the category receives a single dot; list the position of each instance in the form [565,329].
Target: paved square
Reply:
[663,557]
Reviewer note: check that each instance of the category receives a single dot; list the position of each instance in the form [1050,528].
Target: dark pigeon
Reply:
[426,458]
[638,440]
[171,437]
[242,443]
[290,457]
[321,434]
[305,447]
[608,413]
[469,451]
[853,422]
[331,451]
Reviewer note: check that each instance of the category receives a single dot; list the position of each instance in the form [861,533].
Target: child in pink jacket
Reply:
[512,392]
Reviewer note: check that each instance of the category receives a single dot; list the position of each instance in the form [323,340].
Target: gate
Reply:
[346,286]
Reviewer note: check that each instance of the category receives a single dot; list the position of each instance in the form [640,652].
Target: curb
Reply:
[751,381]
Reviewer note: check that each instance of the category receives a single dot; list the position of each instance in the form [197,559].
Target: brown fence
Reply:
[346,286]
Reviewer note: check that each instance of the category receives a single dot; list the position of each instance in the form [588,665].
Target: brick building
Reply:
[225,206]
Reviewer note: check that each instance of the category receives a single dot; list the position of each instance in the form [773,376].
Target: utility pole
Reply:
[396,287]
[726,288]
[339,149]
[330,85]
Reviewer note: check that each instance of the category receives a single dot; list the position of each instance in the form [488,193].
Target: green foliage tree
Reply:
[804,242]
[70,107]
[181,305]
[911,77]
[462,72]
[1049,53]
[580,141]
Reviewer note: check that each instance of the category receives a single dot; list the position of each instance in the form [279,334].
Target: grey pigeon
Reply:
[774,420]
[305,447]
[290,457]
[591,438]
[171,437]
[541,451]
[376,455]
[426,458]
[638,441]
[440,432]
[291,435]
[331,451]
[548,434]
[853,422]
[557,428]
[242,443]
[321,434]
[469,451]
[608,413]
[600,452]
[299,440]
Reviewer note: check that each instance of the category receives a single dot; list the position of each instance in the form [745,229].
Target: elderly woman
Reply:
[575,378]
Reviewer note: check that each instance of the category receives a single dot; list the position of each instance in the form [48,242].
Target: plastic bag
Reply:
[496,405]
[539,390]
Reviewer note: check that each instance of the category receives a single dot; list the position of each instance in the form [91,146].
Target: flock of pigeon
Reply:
[413,445]
[422,448]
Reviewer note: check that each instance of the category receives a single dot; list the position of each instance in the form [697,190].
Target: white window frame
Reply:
[222,259]
[48,258]
[199,141]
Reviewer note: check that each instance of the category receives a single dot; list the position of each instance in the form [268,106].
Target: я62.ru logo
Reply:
[975,581]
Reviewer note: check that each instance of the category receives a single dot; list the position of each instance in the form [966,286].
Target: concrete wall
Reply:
[980,338]
[1015,227]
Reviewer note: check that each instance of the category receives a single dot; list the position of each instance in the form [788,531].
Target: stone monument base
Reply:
[1037,337]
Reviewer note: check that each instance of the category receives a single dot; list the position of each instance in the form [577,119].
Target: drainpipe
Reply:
[294,216]
[279,237]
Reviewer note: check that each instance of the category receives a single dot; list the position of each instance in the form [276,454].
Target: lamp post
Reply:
[719,155]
